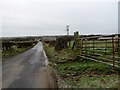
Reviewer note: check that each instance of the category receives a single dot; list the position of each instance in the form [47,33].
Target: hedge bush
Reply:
[7,45]
[61,42]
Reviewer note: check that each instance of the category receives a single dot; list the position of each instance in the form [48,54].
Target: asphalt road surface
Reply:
[28,70]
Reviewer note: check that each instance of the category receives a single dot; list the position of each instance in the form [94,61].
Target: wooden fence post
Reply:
[85,46]
[113,50]
[119,45]
[93,46]
[106,47]
[82,46]
[78,45]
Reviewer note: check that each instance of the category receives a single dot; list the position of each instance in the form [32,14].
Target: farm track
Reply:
[28,70]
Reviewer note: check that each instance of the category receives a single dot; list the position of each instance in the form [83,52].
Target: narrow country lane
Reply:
[27,70]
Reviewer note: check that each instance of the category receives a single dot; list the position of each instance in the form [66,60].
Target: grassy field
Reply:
[74,73]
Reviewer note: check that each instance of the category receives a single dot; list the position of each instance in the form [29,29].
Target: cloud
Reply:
[39,17]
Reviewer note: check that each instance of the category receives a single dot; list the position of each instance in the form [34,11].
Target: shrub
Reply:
[61,42]
[52,42]
[7,45]
[24,44]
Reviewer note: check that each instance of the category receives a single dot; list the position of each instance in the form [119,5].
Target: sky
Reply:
[50,17]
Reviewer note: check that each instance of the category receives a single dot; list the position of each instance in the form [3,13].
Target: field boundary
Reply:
[104,49]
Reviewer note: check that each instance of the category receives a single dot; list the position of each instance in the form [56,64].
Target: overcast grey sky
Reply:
[49,17]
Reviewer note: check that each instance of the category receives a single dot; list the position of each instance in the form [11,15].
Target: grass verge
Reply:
[74,73]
